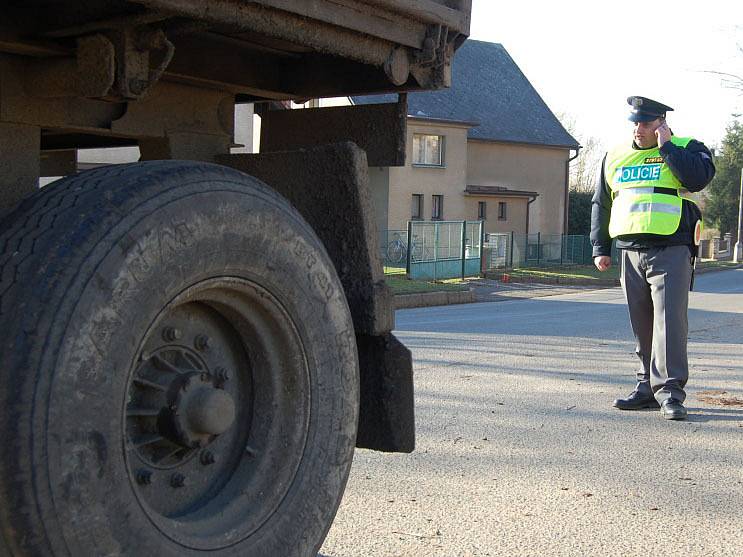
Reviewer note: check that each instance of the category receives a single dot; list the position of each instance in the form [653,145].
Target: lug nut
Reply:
[144,477]
[201,343]
[177,480]
[207,457]
[222,374]
[171,334]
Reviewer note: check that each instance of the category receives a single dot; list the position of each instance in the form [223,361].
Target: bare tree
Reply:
[584,168]
[731,80]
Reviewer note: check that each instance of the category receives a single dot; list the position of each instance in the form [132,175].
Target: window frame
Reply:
[442,151]
[420,198]
[482,210]
[502,210]
[440,198]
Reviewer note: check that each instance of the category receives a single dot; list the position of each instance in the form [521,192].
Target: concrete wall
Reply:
[524,167]
[448,180]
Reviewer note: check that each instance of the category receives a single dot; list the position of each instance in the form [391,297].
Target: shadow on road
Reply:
[714,415]
[553,318]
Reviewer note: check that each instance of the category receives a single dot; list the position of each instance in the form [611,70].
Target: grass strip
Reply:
[402,285]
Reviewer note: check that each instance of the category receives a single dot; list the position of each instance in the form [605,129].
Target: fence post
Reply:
[482,249]
[410,248]
[539,242]
[464,247]
[510,255]
[436,232]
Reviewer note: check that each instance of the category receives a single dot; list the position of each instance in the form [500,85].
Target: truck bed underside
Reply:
[271,49]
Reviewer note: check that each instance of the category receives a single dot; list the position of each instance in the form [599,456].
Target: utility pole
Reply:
[738,253]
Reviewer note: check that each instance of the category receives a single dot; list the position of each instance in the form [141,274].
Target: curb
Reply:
[427,299]
[599,283]
[702,270]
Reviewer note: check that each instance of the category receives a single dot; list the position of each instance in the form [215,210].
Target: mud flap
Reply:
[386,416]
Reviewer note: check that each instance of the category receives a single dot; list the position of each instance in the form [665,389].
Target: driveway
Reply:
[519,451]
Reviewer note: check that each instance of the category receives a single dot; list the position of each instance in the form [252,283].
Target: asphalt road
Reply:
[519,451]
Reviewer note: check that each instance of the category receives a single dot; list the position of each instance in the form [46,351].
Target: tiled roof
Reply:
[488,88]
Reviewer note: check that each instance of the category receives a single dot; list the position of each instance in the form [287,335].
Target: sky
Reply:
[585,58]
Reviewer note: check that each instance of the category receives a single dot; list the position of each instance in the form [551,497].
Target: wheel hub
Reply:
[176,406]
[200,412]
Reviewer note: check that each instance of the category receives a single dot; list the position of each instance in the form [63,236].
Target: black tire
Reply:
[184,301]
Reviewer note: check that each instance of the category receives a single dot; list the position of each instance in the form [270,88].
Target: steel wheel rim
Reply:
[212,478]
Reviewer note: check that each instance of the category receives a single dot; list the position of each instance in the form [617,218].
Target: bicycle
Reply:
[397,250]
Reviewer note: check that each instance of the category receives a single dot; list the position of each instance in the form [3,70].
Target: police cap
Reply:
[646,110]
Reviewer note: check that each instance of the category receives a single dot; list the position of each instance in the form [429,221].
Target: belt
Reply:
[667,191]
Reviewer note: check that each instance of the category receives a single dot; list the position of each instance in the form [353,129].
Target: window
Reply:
[428,150]
[416,211]
[502,210]
[481,210]
[437,212]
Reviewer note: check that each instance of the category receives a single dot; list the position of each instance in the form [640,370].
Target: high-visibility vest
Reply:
[646,196]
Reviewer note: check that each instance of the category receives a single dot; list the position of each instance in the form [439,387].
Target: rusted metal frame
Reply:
[320,36]
[122,22]
[358,16]
[431,12]
[324,76]
[216,62]
[38,49]
[241,42]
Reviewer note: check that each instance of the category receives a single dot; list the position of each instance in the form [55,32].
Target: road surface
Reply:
[519,451]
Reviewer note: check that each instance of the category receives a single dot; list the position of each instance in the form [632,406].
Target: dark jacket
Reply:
[694,168]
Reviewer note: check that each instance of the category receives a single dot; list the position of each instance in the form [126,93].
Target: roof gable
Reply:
[490,89]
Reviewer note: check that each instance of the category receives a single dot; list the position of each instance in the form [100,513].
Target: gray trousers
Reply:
[656,285]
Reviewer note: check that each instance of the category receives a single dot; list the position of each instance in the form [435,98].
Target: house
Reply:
[488,148]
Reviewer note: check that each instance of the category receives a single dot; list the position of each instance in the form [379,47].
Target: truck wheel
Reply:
[178,372]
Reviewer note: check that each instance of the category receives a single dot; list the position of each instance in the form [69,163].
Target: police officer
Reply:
[639,200]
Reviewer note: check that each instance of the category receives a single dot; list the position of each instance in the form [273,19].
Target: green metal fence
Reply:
[437,249]
[504,251]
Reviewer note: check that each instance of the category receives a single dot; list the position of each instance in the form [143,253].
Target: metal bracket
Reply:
[434,58]
[135,50]
[115,67]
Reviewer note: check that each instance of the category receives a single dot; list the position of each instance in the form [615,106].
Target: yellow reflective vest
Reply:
[646,196]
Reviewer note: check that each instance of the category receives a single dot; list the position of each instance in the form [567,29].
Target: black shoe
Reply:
[672,409]
[636,401]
